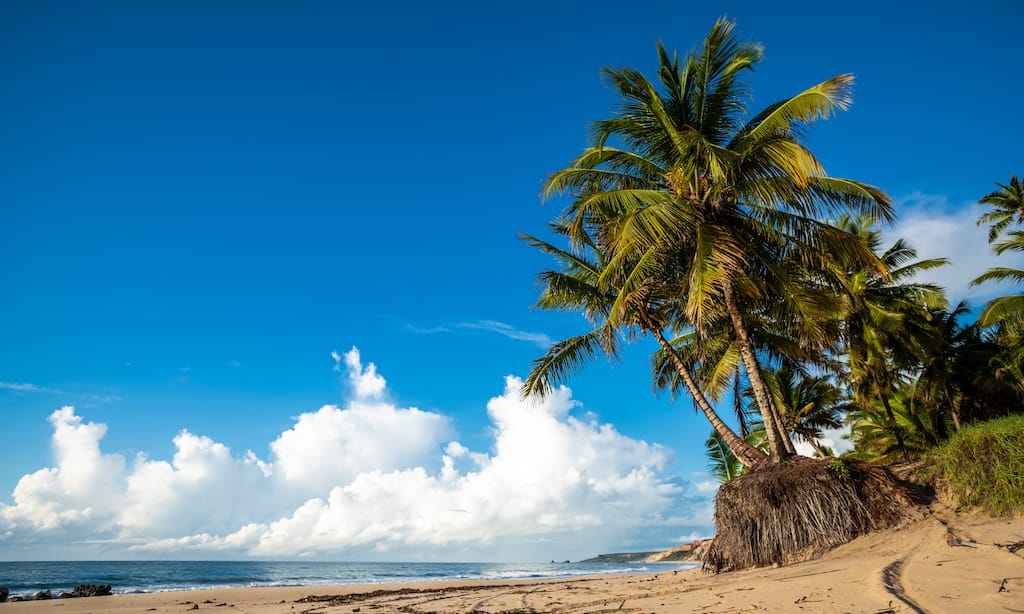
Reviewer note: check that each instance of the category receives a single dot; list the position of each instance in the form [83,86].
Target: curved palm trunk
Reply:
[778,440]
[746,453]
[954,410]
[818,449]
[893,425]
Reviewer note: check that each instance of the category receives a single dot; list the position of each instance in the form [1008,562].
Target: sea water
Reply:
[27,578]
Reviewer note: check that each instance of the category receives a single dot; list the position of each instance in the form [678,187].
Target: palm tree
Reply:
[681,171]
[810,404]
[1006,313]
[887,317]
[1008,202]
[956,374]
[1007,309]
[920,426]
[575,287]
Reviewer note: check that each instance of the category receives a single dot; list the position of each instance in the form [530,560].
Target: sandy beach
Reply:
[944,562]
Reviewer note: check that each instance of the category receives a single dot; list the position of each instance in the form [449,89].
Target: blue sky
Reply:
[199,204]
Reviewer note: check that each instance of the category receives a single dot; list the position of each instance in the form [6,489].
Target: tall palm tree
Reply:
[574,287]
[717,365]
[809,404]
[888,317]
[682,170]
[1008,205]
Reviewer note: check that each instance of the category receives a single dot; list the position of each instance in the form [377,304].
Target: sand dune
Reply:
[944,562]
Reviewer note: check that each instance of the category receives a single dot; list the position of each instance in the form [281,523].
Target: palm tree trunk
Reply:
[883,383]
[894,426]
[817,447]
[746,453]
[778,440]
[954,411]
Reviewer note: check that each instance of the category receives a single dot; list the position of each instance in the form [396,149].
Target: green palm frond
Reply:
[1013,243]
[817,102]
[722,463]
[607,204]
[632,293]
[1002,309]
[1000,273]
[719,373]
[570,260]
[565,358]
[1008,205]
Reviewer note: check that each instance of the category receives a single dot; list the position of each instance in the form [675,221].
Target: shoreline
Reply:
[945,562]
[26,594]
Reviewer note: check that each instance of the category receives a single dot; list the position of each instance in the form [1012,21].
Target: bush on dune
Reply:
[983,466]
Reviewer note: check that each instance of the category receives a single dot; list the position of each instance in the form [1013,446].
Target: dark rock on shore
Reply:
[92,590]
[43,595]
[4,593]
[88,590]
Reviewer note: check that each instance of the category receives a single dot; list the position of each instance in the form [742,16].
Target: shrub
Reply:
[983,465]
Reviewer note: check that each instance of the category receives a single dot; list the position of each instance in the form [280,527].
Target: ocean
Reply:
[27,578]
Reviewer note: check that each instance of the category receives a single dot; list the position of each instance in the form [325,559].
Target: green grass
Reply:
[983,465]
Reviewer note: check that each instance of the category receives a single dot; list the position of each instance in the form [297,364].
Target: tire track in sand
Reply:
[892,580]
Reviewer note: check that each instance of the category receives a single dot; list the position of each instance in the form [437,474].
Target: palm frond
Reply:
[1000,273]
[1002,309]
[817,102]
[564,358]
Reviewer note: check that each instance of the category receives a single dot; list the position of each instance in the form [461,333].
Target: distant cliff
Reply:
[687,552]
[620,557]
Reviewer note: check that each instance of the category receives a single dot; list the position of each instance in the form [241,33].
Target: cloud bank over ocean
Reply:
[369,481]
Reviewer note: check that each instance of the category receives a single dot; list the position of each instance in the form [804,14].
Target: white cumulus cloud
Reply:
[365,381]
[550,474]
[937,229]
[84,488]
[366,481]
[333,445]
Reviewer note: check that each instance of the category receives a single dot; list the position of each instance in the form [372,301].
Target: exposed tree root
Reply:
[800,508]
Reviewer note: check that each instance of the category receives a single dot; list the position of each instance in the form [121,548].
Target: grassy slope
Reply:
[983,465]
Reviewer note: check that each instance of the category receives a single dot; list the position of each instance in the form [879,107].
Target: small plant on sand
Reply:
[838,468]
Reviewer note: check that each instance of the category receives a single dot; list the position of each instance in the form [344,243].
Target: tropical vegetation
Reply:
[716,234]
[697,213]
[994,478]
[686,213]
